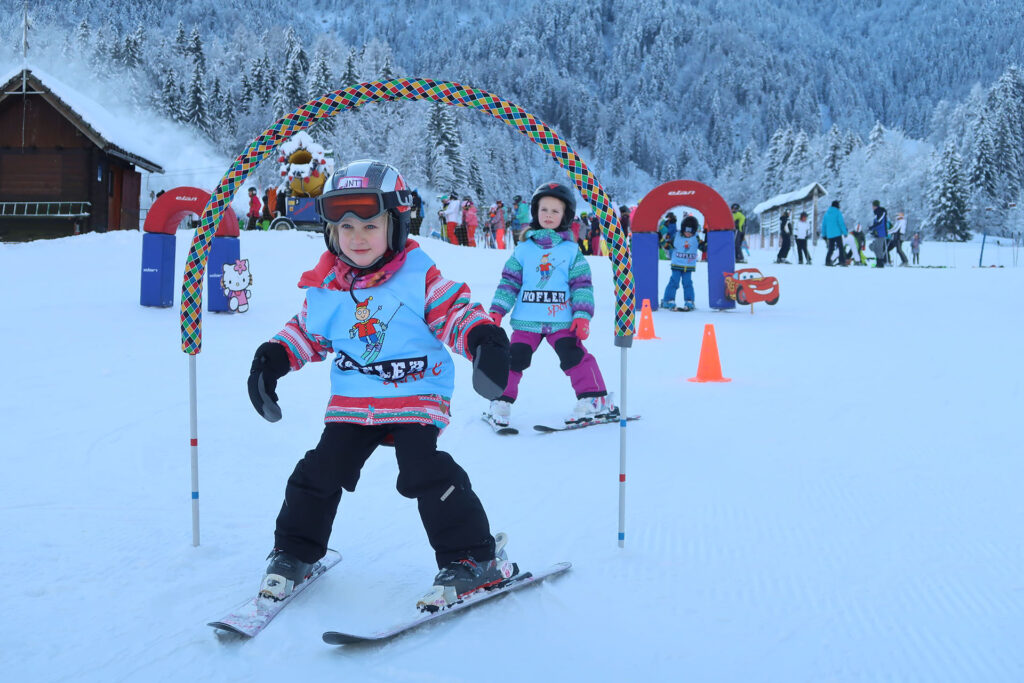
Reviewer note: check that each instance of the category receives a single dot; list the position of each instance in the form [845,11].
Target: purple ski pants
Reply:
[574,359]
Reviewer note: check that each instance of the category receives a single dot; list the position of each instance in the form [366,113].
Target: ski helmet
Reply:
[367,188]
[558,191]
[690,224]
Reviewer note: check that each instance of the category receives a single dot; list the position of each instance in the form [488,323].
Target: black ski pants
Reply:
[452,515]
[835,244]
[783,247]
[896,242]
[739,245]
[801,250]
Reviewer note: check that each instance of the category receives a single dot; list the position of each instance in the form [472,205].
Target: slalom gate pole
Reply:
[194,446]
[622,450]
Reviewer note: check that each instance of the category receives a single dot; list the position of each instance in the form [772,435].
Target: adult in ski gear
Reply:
[402,400]
[739,219]
[785,237]
[470,221]
[803,231]
[416,217]
[833,228]
[453,218]
[546,286]
[896,238]
[667,234]
[880,229]
[684,262]
[522,218]
[254,210]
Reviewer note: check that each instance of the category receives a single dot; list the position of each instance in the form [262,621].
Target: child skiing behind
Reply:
[546,285]
[683,249]
[403,401]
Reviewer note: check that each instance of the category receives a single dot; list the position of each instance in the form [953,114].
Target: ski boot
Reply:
[499,413]
[283,574]
[593,408]
[463,577]
[688,306]
[667,305]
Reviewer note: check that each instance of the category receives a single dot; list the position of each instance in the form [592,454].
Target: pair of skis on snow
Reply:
[505,430]
[253,615]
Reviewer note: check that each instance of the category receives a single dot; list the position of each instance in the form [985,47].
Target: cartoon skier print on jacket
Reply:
[366,328]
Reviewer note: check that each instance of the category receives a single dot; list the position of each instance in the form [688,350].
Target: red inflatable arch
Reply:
[681,193]
[172,206]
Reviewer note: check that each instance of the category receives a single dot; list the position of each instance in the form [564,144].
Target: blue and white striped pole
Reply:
[622,451]
[194,445]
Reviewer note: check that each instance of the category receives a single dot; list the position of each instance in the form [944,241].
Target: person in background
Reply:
[880,229]
[833,229]
[896,237]
[546,290]
[860,258]
[683,252]
[470,220]
[416,219]
[739,219]
[785,237]
[594,236]
[802,231]
[498,224]
[254,210]
[265,216]
[915,248]
[453,218]
[522,210]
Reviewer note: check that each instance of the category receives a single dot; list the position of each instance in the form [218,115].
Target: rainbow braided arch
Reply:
[404,89]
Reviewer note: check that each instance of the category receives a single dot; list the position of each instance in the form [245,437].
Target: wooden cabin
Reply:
[58,174]
[804,199]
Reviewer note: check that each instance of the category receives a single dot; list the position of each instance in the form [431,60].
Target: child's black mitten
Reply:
[268,365]
[490,348]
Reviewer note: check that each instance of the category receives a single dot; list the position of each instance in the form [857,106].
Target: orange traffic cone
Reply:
[646,330]
[709,369]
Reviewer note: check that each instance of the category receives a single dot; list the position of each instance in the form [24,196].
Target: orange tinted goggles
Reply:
[365,205]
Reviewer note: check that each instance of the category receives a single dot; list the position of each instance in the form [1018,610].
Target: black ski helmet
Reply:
[691,224]
[558,191]
[371,177]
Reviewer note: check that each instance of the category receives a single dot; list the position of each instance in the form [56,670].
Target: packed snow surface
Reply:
[847,508]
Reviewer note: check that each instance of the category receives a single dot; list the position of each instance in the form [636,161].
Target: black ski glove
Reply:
[489,346]
[268,365]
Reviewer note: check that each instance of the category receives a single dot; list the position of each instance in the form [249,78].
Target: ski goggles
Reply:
[362,203]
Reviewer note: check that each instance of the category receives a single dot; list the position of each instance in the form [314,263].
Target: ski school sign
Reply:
[402,89]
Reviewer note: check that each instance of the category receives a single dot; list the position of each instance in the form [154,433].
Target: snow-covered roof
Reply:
[111,133]
[790,197]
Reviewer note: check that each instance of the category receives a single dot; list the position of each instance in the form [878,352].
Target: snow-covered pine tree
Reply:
[170,97]
[181,40]
[777,154]
[876,139]
[320,83]
[194,49]
[947,212]
[834,153]
[83,36]
[798,167]
[196,112]
[444,157]
[291,91]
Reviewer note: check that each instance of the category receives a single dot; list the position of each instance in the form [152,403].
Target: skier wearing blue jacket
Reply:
[833,229]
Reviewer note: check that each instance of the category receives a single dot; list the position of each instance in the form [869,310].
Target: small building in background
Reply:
[804,199]
[65,166]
